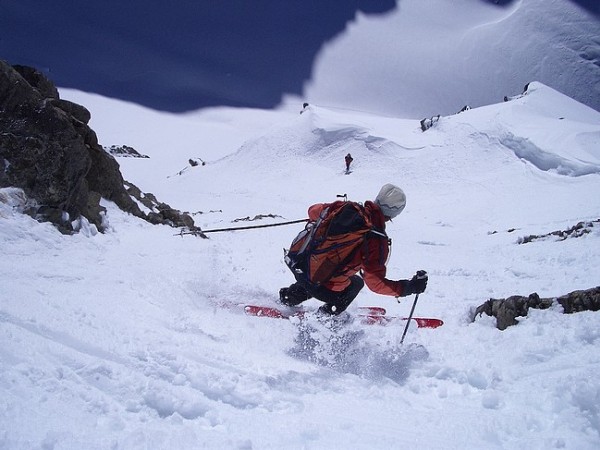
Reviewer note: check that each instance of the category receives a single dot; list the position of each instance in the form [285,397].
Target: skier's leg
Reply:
[338,302]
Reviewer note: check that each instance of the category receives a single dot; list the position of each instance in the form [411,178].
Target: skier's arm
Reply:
[378,283]
[374,273]
[374,270]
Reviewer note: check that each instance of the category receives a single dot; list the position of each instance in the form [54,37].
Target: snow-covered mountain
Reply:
[133,339]
[404,58]
[437,56]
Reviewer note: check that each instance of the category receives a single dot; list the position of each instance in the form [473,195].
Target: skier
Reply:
[339,291]
[349,160]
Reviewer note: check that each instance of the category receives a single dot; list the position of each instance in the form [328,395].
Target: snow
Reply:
[132,339]
[435,57]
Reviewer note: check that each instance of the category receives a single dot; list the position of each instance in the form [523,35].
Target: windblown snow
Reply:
[134,339]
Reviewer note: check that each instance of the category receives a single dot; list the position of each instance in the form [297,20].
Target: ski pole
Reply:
[409,318]
[421,274]
[201,233]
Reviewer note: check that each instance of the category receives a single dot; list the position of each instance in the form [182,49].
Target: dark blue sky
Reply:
[177,55]
[181,55]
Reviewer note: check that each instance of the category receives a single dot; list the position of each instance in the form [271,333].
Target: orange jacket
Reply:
[370,259]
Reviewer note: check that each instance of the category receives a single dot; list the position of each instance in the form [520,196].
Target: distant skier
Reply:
[348,160]
[342,284]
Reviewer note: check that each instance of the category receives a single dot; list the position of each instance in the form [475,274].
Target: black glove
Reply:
[416,285]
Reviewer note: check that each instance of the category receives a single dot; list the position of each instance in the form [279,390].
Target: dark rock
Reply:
[578,230]
[426,123]
[577,301]
[124,151]
[176,218]
[507,310]
[38,81]
[160,213]
[43,153]
[78,112]
[48,150]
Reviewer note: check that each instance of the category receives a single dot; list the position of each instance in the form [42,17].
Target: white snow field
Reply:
[131,339]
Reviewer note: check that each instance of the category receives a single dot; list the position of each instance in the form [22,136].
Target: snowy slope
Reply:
[437,56]
[131,339]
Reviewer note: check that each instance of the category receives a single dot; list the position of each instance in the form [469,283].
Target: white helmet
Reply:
[391,200]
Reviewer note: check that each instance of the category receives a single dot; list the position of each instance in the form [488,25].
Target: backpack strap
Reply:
[380,234]
[314,226]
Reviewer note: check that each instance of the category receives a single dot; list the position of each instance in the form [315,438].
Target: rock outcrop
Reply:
[48,150]
[507,310]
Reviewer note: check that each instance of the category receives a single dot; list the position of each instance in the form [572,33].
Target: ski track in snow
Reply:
[122,340]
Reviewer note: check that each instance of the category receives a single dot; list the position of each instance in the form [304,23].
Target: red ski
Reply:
[269,311]
[422,322]
[368,315]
